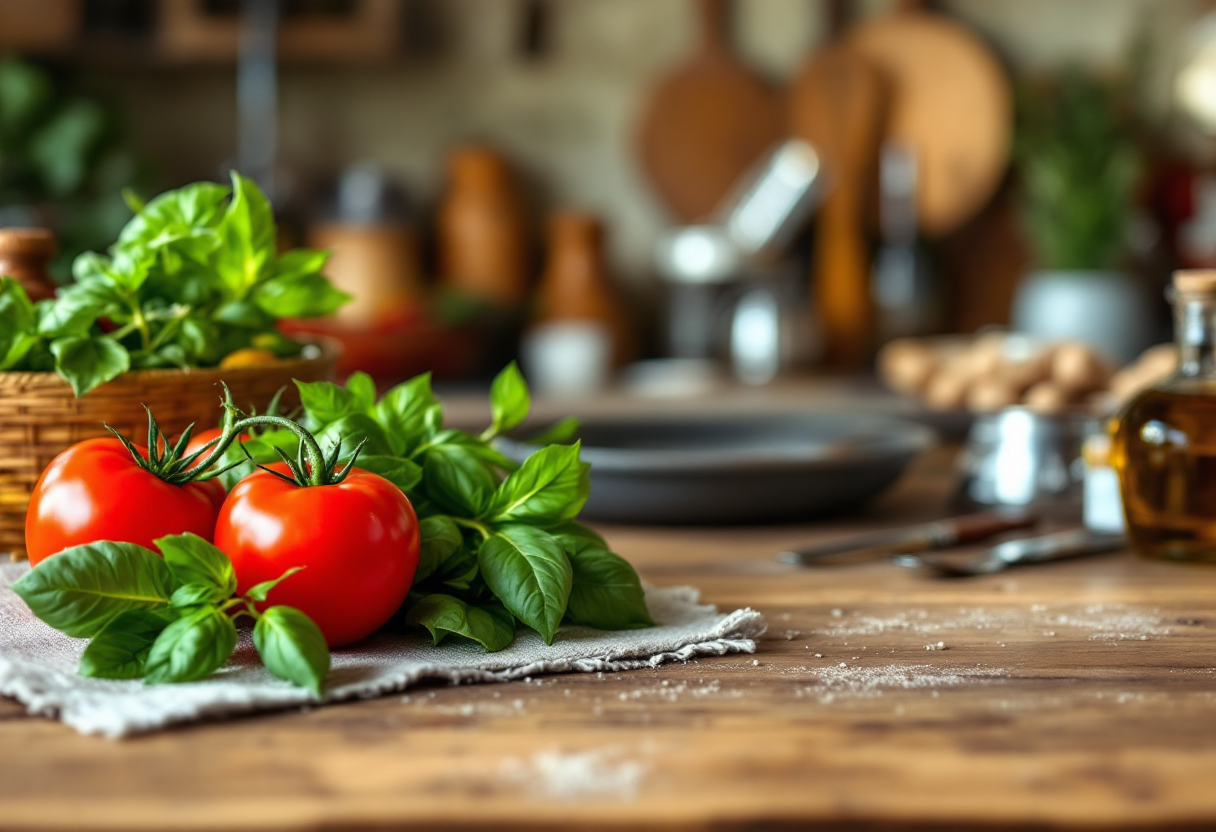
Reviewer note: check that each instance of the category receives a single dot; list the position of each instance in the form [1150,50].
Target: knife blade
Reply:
[940,534]
[1038,549]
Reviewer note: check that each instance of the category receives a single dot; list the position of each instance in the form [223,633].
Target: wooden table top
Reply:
[1076,695]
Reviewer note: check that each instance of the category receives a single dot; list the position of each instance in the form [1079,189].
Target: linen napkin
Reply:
[38,664]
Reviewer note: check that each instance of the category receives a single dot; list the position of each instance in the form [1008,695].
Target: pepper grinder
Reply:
[25,254]
[580,331]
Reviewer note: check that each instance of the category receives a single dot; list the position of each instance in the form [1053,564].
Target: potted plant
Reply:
[1079,165]
[190,295]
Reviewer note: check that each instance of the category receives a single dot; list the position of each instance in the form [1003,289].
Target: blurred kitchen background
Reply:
[665,195]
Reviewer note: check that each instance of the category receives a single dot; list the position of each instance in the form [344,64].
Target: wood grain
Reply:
[1075,696]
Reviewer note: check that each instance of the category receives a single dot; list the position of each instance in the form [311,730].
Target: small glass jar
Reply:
[1165,443]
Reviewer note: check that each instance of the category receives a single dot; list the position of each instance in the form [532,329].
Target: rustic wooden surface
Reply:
[1080,695]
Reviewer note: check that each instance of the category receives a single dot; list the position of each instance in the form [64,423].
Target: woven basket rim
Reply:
[330,350]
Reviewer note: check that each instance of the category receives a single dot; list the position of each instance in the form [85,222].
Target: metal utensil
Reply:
[1018,458]
[941,534]
[764,212]
[1041,549]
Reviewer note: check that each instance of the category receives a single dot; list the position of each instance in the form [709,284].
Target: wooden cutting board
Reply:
[950,100]
[837,103]
[706,123]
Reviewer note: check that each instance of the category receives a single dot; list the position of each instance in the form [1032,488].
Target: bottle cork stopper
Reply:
[26,242]
[1195,281]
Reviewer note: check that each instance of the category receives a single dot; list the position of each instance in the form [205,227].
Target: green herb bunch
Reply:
[169,619]
[1079,165]
[500,544]
[194,276]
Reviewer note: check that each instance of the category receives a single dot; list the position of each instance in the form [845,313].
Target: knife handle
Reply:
[973,527]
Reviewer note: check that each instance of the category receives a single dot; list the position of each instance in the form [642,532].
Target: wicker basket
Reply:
[40,417]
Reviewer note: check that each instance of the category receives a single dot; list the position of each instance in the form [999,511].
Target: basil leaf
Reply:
[460,570]
[362,390]
[351,430]
[192,560]
[300,296]
[246,255]
[244,314]
[573,535]
[176,215]
[193,595]
[75,309]
[135,203]
[325,402]
[86,363]
[191,648]
[550,487]
[530,574]
[300,262]
[490,625]
[17,323]
[259,592]
[82,589]
[440,538]
[91,267]
[400,472]
[605,592]
[402,413]
[482,450]
[559,432]
[121,649]
[200,338]
[129,269]
[457,480]
[292,647]
[509,399]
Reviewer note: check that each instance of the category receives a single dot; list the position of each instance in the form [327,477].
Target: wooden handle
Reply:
[713,25]
[981,526]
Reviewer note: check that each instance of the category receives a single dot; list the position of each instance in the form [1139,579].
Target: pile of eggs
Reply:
[995,370]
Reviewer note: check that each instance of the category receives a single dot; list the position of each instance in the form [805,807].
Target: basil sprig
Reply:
[169,619]
[194,276]
[499,542]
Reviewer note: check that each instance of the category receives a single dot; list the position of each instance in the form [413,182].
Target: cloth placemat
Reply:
[38,664]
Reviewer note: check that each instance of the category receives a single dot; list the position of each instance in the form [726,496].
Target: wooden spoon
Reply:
[837,103]
[706,124]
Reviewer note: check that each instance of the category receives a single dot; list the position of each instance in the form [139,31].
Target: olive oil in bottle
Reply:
[1165,443]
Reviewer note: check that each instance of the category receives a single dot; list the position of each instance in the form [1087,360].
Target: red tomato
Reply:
[95,491]
[357,541]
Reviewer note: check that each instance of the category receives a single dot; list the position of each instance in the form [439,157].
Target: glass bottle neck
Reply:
[1195,334]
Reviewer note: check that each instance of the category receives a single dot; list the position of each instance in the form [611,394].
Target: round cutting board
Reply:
[950,99]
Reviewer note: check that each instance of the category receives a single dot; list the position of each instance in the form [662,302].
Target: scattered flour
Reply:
[1104,622]
[864,682]
[597,773]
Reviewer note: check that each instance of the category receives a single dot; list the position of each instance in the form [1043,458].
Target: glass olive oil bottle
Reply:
[1165,444]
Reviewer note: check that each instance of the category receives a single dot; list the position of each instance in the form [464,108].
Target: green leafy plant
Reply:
[170,618]
[194,276]
[500,544]
[63,161]
[1079,163]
